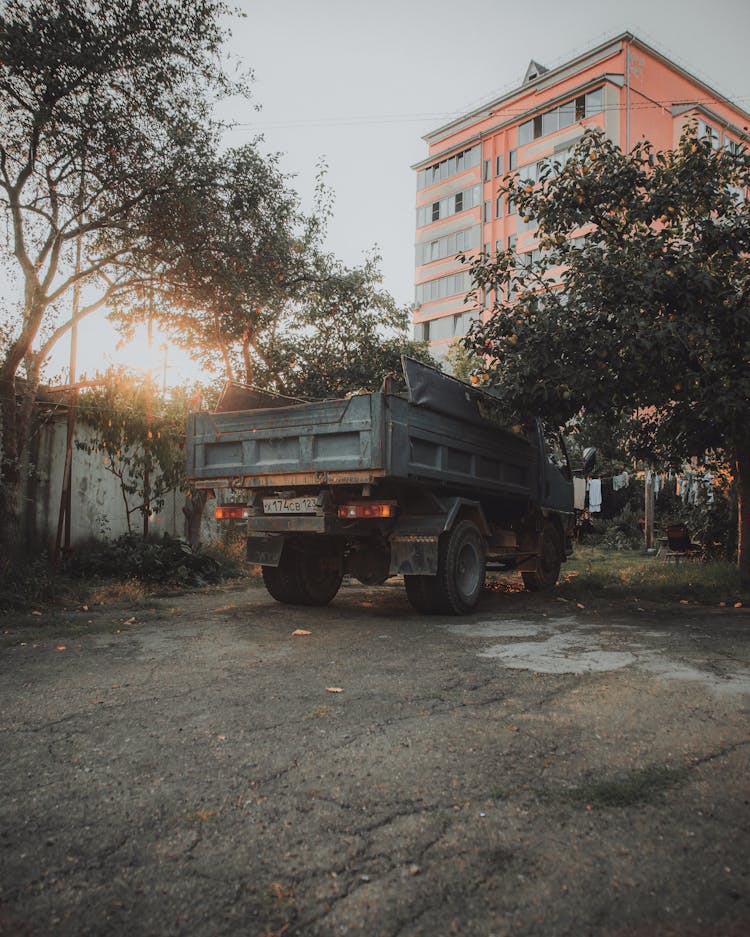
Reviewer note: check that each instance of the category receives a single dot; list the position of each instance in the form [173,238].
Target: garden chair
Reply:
[679,544]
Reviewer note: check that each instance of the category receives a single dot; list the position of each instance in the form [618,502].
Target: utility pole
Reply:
[648,530]
[63,536]
[147,441]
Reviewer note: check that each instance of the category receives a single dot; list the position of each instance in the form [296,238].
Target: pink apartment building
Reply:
[623,86]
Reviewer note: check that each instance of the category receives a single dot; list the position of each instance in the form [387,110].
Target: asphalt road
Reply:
[189,766]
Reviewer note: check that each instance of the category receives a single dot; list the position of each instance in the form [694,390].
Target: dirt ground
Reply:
[189,766]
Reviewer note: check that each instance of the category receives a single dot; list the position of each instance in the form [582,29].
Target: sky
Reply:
[358,84]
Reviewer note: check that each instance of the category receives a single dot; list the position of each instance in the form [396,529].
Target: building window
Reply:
[448,246]
[441,287]
[499,207]
[707,132]
[487,211]
[446,168]
[558,118]
[487,172]
[447,206]
[512,160]
[733,147]
[499,165]
[445,327]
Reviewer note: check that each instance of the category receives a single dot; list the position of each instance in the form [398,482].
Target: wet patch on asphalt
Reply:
[564,645]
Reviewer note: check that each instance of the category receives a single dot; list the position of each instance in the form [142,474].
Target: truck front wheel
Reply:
[548,562]
[307,574]
[461,568]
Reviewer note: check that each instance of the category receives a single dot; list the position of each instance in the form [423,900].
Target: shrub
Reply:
[26,582]
[167,560]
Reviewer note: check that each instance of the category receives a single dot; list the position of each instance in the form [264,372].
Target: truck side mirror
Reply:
[589,461]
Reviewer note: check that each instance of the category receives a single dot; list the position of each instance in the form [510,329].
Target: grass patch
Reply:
[625,790]
[631,575]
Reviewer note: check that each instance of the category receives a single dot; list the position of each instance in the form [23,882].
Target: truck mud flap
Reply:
[265,551]
[414,545]
[414,555]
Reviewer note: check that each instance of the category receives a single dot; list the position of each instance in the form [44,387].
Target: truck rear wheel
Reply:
[307,574]
[548,562]
[461,568]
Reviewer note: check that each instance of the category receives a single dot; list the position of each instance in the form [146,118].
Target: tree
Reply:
[240,253]
[104,110]
[343,334]
[257,298]
[140,436]
[635,301]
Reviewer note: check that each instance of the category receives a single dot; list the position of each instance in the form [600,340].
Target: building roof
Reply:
[539,76]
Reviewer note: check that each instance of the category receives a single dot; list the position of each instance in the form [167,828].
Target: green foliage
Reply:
[165,561]
[105,129]
[27,582]
[344,334]
[654,309]
[463,362]
[621,532]
[140,436]
[636,304]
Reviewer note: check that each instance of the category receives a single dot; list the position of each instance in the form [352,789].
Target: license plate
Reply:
[307,505]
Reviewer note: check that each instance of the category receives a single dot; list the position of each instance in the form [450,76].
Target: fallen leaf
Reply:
[301,631]
[203,815]
[84,608]
[579,605]
[684,602]
[36,613]
[61,647]
[738,604]
[334,689]
[221,738]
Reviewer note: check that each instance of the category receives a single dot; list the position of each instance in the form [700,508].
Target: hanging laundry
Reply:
[595,495]
[579,493]
[620,481]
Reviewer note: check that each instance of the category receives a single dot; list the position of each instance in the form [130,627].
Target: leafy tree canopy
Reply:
[634,301]
[104,111]
[343,334]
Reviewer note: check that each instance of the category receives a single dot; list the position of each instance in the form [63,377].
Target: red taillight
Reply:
[357,510]
[232,512]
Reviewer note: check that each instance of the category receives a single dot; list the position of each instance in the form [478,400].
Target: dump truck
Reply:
[419,480]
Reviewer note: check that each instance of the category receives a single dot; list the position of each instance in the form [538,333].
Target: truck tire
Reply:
[461,567]
[307,574]
[548,562]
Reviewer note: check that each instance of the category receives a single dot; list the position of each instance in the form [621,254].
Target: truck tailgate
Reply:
[334,441]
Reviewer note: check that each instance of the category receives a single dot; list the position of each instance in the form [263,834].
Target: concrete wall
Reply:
[97,507]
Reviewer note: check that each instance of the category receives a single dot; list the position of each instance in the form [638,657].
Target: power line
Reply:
[509,112]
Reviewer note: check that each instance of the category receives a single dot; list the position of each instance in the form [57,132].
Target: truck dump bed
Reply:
[440,432]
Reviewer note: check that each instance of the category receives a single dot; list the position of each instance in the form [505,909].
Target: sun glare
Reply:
[100,347]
